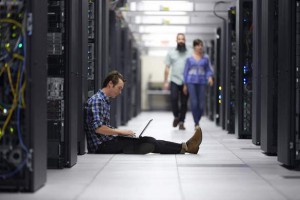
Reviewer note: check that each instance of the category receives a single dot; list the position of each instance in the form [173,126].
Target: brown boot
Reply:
[194,142]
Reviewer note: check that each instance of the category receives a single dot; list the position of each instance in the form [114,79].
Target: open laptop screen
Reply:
[145,127]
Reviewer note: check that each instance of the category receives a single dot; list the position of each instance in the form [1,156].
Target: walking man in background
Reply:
[173,80]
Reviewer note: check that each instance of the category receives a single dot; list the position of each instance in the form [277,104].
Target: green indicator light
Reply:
[7,45]
[11,129]
[20,45]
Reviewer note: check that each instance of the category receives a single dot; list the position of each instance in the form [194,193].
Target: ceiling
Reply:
[155,24]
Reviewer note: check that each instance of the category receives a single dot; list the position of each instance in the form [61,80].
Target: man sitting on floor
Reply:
[102,138]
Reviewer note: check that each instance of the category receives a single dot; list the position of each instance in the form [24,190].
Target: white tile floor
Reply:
[226,168]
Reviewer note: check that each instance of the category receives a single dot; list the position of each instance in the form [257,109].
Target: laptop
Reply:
[145,128]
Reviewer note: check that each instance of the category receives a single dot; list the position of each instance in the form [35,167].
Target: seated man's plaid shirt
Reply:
[97,113]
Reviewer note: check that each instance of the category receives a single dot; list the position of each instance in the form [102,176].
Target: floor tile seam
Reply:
[179,180]
[93,179]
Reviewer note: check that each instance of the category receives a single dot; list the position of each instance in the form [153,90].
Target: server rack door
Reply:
[134,71]
[139,83]
[217,85]
[230,72]
[288,98]
[101,41]
[211,98]
[99,32]
[126,71]
[129,75]
[297,95]
[243,116]
[105,38]
[92,36]
[136,95]
[83,70]
[37,99]
[98,41]
[23,70]
[88,58]
[90,54]
[223,68]
[63,80]
[227,74]
[269,53]
[72,81]
[256,105]
[115,61]
[56,84]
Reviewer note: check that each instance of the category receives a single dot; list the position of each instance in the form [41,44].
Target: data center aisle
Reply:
[226,168]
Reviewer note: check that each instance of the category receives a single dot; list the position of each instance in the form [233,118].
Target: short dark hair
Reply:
[178,34]
[197,42]
[114,77]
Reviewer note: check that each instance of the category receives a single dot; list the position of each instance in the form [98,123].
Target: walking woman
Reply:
[197,74]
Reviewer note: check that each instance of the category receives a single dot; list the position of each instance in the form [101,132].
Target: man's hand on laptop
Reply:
[128,133]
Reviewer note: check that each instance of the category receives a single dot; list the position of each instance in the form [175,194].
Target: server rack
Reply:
[101,41]
[222,70]
[23,126]
[95,54]
[95,31]
[288,150]
[88,62]
[115,24]
[136,70]
[210,98]
[297,113]
[139,81]
[230,71]
[55,82]
[63,80]
[84,15]
[74,79]
[133,86]
[269,79]
[256,95]
[91,48]
[217,84]
[126,71]
[98,44]
[244,80]
[129,75]
[98,61]
[124,57]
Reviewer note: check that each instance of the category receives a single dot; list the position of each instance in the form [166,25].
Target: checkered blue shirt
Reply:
[97,113]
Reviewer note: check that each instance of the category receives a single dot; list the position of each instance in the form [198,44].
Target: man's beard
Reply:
[181,47]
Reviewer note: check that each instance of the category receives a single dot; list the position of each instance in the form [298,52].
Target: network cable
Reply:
[13,71]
